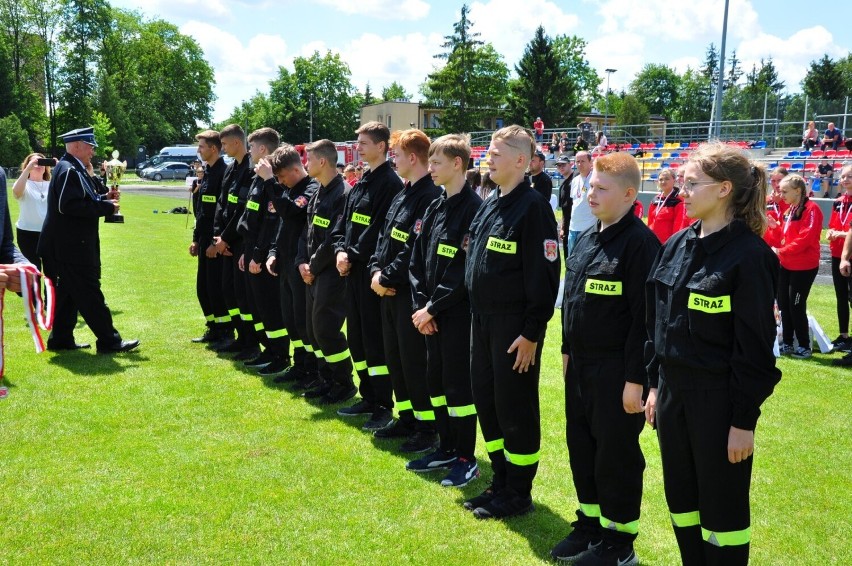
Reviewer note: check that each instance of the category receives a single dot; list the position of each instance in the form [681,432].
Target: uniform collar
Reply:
[464,194]
[612,231]
[338,180]
[423,181]
[717,240]
[517,192]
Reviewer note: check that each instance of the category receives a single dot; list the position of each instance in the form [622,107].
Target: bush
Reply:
[14,142]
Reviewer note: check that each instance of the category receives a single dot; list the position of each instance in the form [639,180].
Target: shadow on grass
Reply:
[86,363]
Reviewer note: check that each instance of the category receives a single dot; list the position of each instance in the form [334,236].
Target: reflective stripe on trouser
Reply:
[209,288]
[405,354]
[603,444]
[233,277]
[506,402]
[708,497]
[364,334]
[266,303]
[292,299]
[326,310]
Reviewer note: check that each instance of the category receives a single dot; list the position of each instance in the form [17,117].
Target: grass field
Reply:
[174,455]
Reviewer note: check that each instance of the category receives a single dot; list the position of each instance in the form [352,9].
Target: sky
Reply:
[383,41]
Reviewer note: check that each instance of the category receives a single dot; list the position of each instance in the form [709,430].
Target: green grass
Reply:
[173,455]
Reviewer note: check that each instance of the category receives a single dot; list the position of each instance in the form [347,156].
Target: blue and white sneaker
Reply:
[437,460]
[462,473]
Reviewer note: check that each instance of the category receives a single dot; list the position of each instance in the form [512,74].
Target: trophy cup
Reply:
[114,170]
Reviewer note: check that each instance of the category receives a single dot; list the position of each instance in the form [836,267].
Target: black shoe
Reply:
[582,539]
[308,381]
[362,407]
[379,420]
[399,429]
[118,347]
[290,374]
[338,394]
[209,335]
[605,555]
[228,346]
[845,361]
[505,504]
[251,355]
[420,442]
[278,366]
[485,497]
[61,347]
[320,390]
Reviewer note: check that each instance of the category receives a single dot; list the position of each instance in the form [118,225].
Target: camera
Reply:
[46,162]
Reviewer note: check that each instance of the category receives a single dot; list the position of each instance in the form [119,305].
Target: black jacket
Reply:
[710,317]
[291,204]
[209,194]
[543,185]
[366,207]
[235,188]
[324,210]
[437,262]
[252,222]
[512,259]
[603,310]
[403,222]
[74,207]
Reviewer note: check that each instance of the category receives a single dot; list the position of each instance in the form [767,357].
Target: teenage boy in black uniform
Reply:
[603,326]
[289,191]
[405,347]
[512,276]
[326,297]
[355,239]
[208,282]
[227,241]
[443,311]
[257,227]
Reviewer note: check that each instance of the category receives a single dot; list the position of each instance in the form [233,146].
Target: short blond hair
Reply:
[622,167]
[452,146]
[516,137]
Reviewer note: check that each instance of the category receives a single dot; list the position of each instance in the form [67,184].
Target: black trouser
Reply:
[364,331]
[708,497]
[266,297]
[405,351]
[253,306]
[326,312]
[293,306]
[208,289]
[450,391]
[841,292]
[236,298]
[28,244]
[793,290]
[78,288]
[603,444]
[506,401]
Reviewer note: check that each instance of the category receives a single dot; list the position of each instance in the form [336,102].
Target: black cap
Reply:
[563,160]
[86,135]
[540,155]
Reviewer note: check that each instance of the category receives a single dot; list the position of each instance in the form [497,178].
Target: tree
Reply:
[472,84]
[104,133]
[734,72]
[543,87]
[14,145]
[395,91]
[695,95]
[845,67]
[710,68]
[571,51]
[634,114]
[46,16]
[656,87]
[824,80]
[368,96]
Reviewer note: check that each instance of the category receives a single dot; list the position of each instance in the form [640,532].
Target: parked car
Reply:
[167,170]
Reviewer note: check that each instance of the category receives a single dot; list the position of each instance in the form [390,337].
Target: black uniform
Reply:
[357,234]
[257,226]
[291,205]
[326,297]
[543,185]
[70,247]
[235,189]
[437,282]
[405,347]
[208,281]
[512,277]
[710,315]
[566,203]
[604,331]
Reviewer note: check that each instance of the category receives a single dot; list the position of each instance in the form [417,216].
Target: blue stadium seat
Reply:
[793,154]
[797,167]
[804,154]
[658,155]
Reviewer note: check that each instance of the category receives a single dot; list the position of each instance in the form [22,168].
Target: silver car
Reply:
[167,170]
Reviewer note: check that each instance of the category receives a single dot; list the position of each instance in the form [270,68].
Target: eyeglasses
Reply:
[690,185]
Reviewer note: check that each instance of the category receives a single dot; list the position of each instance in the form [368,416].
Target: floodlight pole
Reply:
[716,127]
[609,72]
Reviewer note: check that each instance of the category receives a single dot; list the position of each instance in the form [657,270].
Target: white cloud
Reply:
[382,9]
[623,51]
[170,10]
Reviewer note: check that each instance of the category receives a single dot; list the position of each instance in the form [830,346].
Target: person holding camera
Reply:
[30,190]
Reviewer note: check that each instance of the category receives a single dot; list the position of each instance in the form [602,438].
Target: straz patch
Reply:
[551,250]
[399,235]
[251,205]
[417,226]
[711,305]
[598,287]
[501,246]
[301,201]
[447,250]
[270,207]
[322,222]
[363,219]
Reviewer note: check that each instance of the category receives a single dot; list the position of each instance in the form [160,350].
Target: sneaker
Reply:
[841,344]
[420,442]
[462,473]
[362,407]
[582,539]
[786,349]
[505,504]
[321,390]
[802,353]
[379,420]
[485,497]
[845,361]
[290,374]
[338,394]
[399,429]
[609,555]
[278,366]
[436,460]
[307,381]
[257,361]
[209,335]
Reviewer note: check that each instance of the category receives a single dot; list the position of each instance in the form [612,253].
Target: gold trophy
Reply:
[114,170]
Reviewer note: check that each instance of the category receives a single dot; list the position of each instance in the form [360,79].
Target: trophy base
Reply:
[114,219]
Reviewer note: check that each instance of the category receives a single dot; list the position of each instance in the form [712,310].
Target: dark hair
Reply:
[324,149]
[284,157]
[210,137]
[376,131]
[266,137]
[474,177]
[233,131]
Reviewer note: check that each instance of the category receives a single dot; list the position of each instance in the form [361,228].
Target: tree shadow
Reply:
[80,362]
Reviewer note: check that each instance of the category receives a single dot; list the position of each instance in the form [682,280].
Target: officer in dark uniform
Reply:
[539,179]
[512,277]
[208,283]
[405,347]
[326,296]
[70,246]
[355,239]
